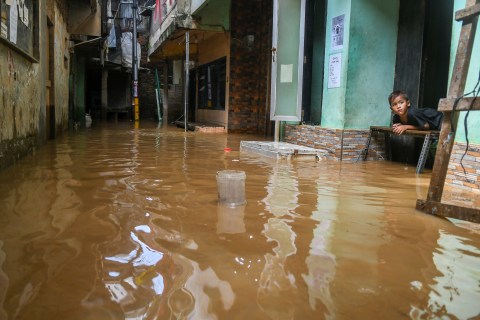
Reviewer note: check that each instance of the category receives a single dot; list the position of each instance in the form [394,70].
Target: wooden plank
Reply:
[448,210]
[467,13]
[446,104]
[456,89]
[433,133]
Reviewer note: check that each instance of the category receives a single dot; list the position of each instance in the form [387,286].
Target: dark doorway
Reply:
[50,81]
[93,94]
[314,55]
[314,52]
[423,57]
[192,94]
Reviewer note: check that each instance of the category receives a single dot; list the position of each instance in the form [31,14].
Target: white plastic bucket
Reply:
[231,187]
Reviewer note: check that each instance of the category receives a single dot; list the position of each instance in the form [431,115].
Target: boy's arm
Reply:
[399,128]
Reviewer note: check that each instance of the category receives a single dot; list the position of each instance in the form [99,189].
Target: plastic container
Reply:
[231,187]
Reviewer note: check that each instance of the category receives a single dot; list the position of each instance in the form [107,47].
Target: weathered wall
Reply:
[60,57]
[22,91]
[20,99]
[249,68]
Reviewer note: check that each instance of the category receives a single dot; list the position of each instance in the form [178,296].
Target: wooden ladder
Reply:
[433,204]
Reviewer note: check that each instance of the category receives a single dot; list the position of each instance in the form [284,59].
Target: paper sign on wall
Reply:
[338,24]
[334,70]
[286,73]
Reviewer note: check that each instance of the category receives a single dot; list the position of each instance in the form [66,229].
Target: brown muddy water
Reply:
[121,223]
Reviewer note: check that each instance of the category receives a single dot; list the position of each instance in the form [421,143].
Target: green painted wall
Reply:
[333,107]
[371,62]
[473,124]
[368,64]
[215,13]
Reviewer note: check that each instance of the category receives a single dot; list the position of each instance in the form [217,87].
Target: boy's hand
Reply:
[399,128]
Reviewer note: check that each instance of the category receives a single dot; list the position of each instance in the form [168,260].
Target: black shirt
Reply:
[419,117]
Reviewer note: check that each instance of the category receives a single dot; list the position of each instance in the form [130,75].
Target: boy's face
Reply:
[400,105]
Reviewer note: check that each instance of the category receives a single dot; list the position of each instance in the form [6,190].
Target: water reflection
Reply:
[281,201]
[452,293]
[117,223]
[321,262]
[230,220]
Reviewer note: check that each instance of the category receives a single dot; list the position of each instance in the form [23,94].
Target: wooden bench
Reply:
[428,137]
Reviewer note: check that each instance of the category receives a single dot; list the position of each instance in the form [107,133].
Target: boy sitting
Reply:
[407,118]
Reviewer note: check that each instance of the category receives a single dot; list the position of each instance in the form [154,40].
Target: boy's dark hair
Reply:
[397,93]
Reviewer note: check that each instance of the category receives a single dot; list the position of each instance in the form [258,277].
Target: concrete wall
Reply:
[368,63]
[22,90]
[60,63]
[333,108]
[371,63]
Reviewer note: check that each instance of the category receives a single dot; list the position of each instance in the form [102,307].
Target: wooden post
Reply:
[433,205]
[456,89]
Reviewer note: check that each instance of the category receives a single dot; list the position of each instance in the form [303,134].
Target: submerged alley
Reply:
[354,123]
[115,222]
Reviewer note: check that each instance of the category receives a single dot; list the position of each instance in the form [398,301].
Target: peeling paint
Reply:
[23,91]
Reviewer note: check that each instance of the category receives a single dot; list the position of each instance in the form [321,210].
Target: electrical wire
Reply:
[475,95]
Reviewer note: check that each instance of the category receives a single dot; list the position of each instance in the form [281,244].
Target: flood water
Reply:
[114,222]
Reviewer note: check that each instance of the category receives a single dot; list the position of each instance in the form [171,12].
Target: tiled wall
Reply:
[249,66]
[456,177]
[330,140]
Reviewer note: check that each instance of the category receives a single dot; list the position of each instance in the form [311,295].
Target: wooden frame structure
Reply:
[433,204]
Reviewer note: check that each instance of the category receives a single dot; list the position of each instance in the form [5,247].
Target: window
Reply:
[18,26]
[211,85]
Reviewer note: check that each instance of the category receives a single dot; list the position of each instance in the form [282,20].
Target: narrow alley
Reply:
[353,127]
[114,222]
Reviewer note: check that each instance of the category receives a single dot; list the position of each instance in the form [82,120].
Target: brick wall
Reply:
[337,144]
[146,91]
[146,87]
[456,177]
[249,67]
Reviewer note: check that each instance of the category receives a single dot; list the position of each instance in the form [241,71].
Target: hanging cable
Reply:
[475,95]
[454,108]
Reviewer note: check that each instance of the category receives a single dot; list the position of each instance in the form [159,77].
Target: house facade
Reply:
[229,54]
[318,73]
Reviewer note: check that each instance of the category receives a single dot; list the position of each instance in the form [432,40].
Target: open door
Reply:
[287,59]
[49,90]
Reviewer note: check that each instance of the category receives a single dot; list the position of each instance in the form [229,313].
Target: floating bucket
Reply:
[231,187]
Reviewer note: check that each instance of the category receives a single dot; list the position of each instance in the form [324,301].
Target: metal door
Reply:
[287,59]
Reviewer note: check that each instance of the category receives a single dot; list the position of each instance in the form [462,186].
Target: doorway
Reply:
[50,78]
[313,67]
[423,58]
